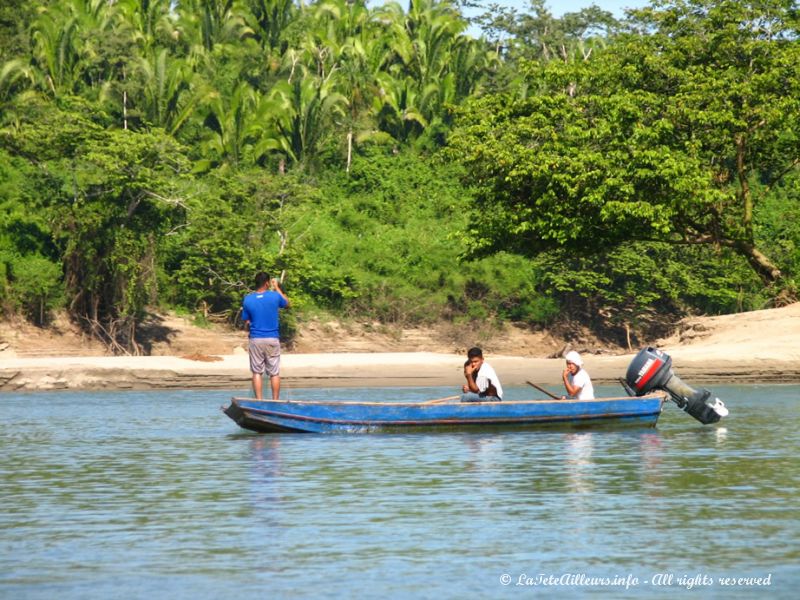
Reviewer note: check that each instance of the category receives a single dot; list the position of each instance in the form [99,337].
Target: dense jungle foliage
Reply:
[392,166]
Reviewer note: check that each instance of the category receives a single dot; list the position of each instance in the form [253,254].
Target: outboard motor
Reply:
[651,369]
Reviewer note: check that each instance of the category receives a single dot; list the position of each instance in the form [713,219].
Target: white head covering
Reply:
[574,357]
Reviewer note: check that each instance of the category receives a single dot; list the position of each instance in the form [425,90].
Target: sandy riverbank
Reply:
[760,346]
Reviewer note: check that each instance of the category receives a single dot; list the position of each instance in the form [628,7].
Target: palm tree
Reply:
[151,21]
[56,48]
[269,19]
[15,76]
[298,114]
[434,64]
[209,23]
[81,47]
[397,107]
[169,93]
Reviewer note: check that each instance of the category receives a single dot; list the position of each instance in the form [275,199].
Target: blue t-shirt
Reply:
[261,309]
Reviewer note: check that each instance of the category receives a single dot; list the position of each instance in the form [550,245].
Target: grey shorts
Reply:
[265,355]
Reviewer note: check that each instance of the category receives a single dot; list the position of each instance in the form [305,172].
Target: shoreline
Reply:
[695,366]
[752,347]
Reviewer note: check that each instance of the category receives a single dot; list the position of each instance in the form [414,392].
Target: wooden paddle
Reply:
[438,400]
[541,389]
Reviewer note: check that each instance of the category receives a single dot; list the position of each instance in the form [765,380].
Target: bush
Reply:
[35,287]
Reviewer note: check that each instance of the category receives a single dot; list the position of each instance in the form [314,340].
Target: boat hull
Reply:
[271,416]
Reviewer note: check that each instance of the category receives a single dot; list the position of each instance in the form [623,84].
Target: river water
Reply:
[160,495]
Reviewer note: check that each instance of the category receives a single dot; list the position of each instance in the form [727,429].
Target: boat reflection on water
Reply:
[266,470]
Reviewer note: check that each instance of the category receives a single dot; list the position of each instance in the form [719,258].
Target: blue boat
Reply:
[276,416]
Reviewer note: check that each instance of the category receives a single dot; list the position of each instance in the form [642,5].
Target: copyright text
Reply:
[631,581]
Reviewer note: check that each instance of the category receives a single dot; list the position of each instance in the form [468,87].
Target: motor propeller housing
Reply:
[651,369]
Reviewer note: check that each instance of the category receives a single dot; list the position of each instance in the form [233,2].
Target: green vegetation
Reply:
[616,174]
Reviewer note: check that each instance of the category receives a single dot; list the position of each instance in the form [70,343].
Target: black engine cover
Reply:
[649,370]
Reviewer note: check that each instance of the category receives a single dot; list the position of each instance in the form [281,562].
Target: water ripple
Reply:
[138,494]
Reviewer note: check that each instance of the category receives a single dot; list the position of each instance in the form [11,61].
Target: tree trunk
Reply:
[745,196]
[124,104]
[349,150]
[762,265]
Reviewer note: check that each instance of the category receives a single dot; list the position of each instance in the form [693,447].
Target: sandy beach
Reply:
[755,347]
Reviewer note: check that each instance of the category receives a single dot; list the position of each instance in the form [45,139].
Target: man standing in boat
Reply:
[482,385]
[260,312]
[576,379]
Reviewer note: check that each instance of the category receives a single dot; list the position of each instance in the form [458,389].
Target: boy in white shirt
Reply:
[482,385]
